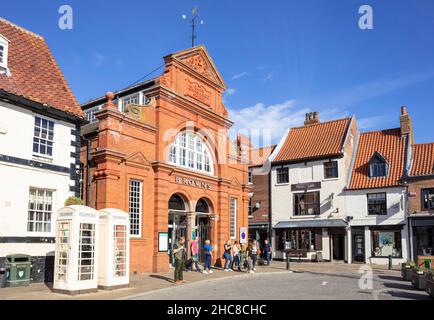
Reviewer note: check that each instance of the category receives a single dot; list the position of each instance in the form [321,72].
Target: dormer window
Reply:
[4,46]
[378,166]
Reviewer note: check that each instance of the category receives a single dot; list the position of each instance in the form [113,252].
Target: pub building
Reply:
[160,151]
[310,167]
[420,186]
[376,195]
[259,204]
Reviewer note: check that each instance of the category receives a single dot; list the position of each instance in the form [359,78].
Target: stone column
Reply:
[367,245]
[349,246]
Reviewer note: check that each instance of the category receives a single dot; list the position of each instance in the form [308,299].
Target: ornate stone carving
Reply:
[198,92]
[134,111]
[199,64]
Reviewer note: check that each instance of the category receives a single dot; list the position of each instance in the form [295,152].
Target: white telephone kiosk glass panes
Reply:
[63,242]
[86,253]
[120,246]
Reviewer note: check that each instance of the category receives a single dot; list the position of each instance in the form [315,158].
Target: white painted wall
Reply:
[17,125]
[357,207]
[313,171]
[18,140]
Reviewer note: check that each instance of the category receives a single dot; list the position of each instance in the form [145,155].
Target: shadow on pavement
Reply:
[409,295]
[389,277]
[156,276]
[402,286]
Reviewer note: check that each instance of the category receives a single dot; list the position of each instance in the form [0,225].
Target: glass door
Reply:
[120,246]
[63,249]
[86,253]
[359,248]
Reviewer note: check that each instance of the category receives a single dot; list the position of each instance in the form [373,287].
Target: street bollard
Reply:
[288,262]
[390,262]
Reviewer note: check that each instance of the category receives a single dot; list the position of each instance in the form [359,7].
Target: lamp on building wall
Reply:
[257,205]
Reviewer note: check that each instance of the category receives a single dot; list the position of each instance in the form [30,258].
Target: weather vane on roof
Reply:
[194,16]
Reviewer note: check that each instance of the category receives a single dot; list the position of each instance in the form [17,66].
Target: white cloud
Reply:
[99,59]
[269,77]
[240,75]
[268,121]
[230,91]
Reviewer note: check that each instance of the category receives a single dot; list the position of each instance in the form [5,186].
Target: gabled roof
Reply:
[319,140]
[423,160]
[259,155]
[391,146]
[34,74]
[199,59]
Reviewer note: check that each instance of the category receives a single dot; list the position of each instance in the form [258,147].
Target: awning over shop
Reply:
[324,223]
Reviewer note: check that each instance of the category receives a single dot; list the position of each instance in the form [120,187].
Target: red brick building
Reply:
[160,151]
[259,206]
[421,201]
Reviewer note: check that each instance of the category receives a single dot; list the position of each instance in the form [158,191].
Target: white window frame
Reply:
[190,151]
[90,114]
[38,154]
[140,211]
[122,101]
[5,52]
[233,212]
[250,176]
[44,211]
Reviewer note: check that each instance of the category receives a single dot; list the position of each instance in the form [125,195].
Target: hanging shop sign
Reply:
[193,183]
[306,186]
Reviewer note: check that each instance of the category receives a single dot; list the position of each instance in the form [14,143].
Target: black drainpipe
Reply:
[270,230]
[87,172]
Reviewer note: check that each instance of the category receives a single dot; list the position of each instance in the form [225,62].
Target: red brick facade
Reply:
[188,96]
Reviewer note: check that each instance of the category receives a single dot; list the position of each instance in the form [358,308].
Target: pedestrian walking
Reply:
[194,247]
[249,260]
[254,253]
[237,250]
[243,256]
[179,252]
[227,255]
[208,256]
[267,249]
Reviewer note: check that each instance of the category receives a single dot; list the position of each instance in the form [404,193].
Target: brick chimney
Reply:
[406,124]
[311,118]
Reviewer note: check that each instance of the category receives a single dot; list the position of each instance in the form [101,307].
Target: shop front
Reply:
[310,240]
[422,228]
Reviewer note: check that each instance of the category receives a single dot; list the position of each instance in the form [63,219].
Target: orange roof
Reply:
[34,74]
[390,145]
[259,155]
[423,159]
[323,139]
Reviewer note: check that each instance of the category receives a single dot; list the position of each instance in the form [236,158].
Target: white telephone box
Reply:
[76,255]
[114,255]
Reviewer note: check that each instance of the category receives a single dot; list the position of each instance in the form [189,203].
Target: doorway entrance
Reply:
[203,226]
[338,247]
[359,248]
[177,224]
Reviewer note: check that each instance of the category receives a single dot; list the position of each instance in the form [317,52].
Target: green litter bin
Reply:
[18,270]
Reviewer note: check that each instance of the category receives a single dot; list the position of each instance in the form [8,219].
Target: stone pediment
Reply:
[137,159]
[198,59]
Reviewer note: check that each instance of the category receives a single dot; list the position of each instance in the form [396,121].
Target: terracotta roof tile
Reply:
[35,74]
[318,140]
[391,146]
[259,155]
[423,159]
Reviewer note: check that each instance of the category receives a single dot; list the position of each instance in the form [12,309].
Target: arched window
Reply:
[202,206]
[190,151]
[176,203]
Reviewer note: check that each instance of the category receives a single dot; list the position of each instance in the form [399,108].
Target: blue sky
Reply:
[280,59]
